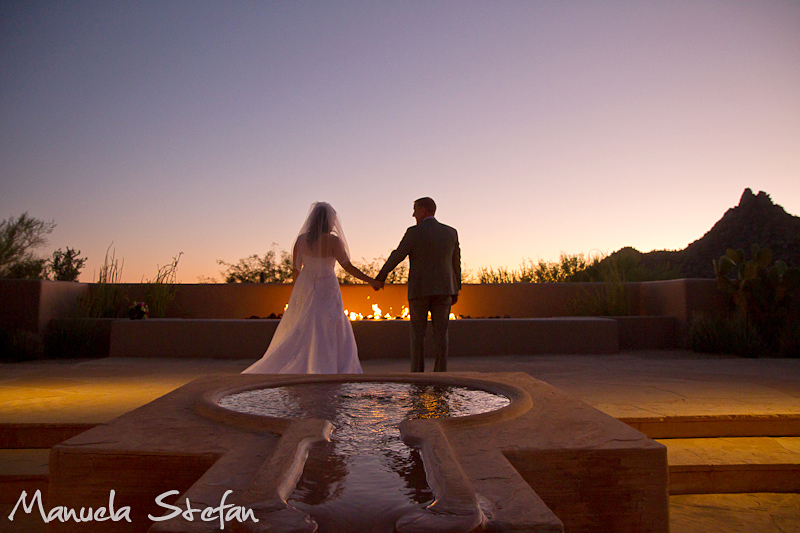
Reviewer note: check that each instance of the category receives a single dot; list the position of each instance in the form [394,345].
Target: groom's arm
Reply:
[456,269]
[457,263]
[402,251]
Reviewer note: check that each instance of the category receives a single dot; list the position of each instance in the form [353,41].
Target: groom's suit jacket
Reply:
[434,259]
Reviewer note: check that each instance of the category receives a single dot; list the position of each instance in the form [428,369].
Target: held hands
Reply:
[377,285]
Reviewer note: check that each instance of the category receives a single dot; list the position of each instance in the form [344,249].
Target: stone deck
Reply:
[647,386]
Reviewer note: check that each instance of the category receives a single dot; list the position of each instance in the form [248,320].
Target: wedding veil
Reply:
[322,219]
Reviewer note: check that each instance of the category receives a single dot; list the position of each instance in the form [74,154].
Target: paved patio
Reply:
[640,384]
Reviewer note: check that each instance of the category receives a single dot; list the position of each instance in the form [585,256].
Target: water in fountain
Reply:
[365,478]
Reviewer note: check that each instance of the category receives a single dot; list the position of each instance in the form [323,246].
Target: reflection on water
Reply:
[365,478]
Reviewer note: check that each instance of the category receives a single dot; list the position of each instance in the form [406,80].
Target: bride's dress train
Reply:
[314,336]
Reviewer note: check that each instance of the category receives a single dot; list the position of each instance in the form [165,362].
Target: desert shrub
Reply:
[628,264]
[276,267]
[565,269]
[66,266]
[77,339]
[371,268]
[30,268]
[789,343]
[489,275]
[18,238]
[20,345]
[541,271]
[726,335]
[764,293]
[255,269]
[613,299]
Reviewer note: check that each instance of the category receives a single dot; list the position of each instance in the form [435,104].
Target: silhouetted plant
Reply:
[66,266]
[567,267]
[489,275]
[160,292]
[627,262]
[77,338]
[106,298]
[760,292]
[372,268]
[727,335]
[18,238]
[28,269]
[789,342]
[612,299]
[255,269]
[20,345]
[530,272]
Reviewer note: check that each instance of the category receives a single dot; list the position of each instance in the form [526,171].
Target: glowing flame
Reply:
[353,316]
[377,314]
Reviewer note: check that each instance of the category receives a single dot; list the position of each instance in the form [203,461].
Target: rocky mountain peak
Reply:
[756,220]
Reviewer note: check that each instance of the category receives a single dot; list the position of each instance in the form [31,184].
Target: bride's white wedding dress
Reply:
[314,336]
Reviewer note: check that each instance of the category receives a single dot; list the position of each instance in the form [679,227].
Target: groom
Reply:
[434,280]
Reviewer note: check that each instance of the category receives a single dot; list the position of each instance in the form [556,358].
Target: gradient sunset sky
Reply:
[209,128]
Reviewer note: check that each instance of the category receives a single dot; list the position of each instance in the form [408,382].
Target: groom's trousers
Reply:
[439,307]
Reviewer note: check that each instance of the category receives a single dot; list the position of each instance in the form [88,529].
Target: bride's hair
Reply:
[322,220]
[318,222]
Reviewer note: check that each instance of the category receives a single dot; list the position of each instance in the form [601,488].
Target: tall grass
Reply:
[613,299]
[541,271]
[715,334]
[106,299]
[489,275]
[160,292]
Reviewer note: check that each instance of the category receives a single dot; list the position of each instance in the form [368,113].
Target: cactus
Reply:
[759,291]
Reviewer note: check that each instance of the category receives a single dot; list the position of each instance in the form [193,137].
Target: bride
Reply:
[314,336]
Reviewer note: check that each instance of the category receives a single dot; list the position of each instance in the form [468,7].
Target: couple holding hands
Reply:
[315,337]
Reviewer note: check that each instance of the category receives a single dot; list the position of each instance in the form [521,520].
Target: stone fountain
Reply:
[543,462]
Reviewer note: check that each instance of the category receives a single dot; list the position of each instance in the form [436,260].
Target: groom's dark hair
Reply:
[428,204]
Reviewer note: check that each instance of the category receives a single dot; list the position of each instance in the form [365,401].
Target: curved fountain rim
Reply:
[207,404]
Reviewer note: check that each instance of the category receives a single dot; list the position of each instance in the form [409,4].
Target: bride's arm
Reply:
[356,273]
[297,263]
[344,260]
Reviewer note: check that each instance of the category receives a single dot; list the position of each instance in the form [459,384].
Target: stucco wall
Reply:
[30,304]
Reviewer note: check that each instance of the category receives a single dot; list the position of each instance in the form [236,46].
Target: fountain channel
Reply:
[455,452]
[365,478]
